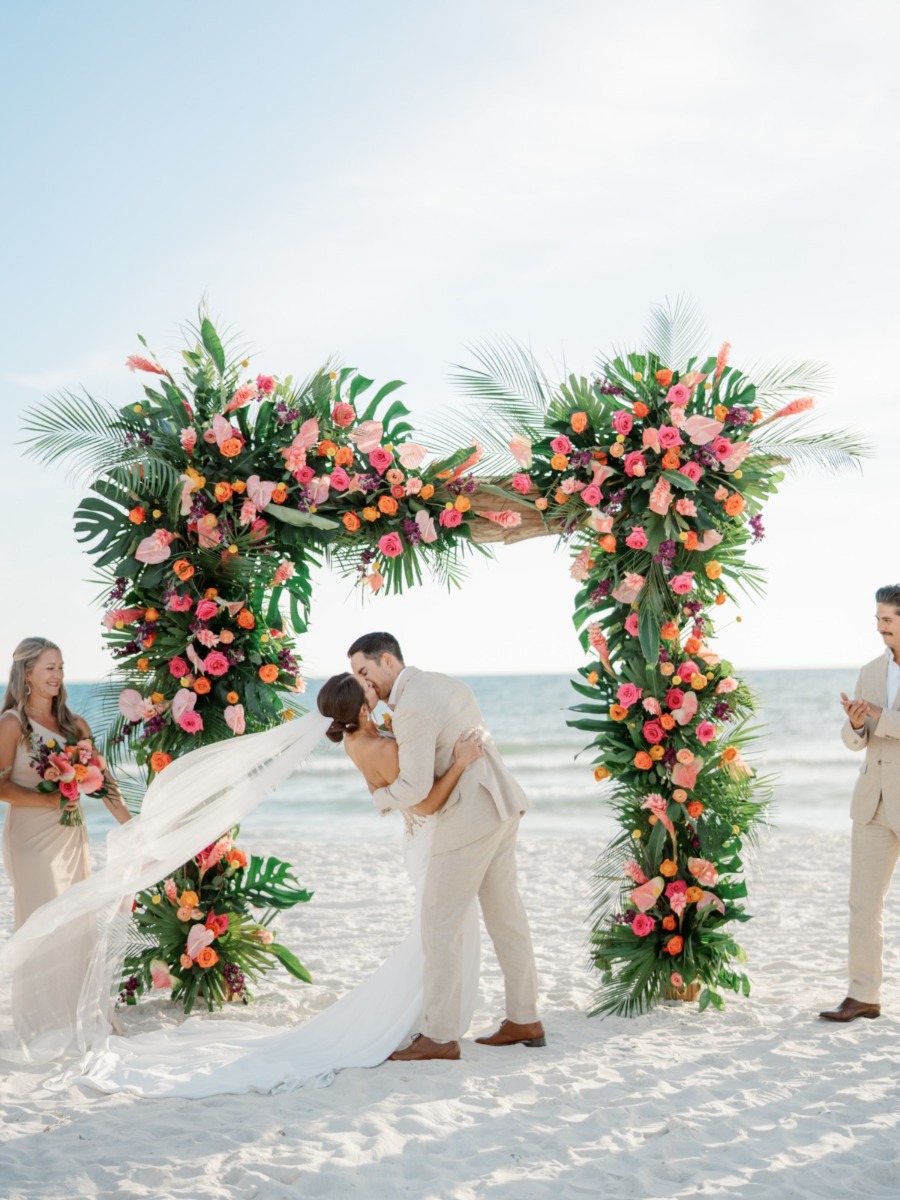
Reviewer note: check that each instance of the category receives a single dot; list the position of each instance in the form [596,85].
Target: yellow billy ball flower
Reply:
[157,513]
[636,834]
[735,829]
[620,438]
[637,377]
[676,679]
[738,474]
[245,362]
[156,900]
[264,638]
[232,549]
[138,408]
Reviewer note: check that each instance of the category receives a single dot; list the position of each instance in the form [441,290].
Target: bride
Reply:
[203,1058]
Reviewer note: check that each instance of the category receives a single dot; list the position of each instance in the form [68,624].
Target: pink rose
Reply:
[380,459]
[692,470]
[628,694]
[521,483]
[190,721]
[676,980]
[390,545]
[592,495]
[682,583]
[688,669]
[216,664]
[706,731]
[258,529]
[207,609]
[678,394]
[685,507]
[69,789]
[642,925]
[622,421]
[178,603]
[724,686]
[178,668]
[340,480]
[637,539]
[561,445]
[650,704]
[265,384]
[721,447]
[674,698]
[188,438]
[635,464]
[669,437]
[631,624]
[653,732]
[703,871]
[303,475]
[675,887]
[634,872]
[450,518]
[720,494]
[343,414]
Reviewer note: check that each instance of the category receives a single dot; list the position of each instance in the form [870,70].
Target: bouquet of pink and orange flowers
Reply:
[73,771]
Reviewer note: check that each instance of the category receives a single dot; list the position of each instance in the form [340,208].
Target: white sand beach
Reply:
[760,1101]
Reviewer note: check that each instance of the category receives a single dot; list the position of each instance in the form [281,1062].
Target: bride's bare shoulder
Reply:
[376,758]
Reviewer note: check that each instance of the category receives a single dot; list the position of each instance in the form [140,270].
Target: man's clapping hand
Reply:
[858,710]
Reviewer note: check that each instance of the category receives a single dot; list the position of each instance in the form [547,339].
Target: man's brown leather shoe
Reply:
[511,1034]
[423,1048]
[850,1009]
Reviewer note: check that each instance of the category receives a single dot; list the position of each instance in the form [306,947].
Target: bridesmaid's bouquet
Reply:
[73,772]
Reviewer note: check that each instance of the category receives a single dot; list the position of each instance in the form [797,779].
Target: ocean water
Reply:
[799,744]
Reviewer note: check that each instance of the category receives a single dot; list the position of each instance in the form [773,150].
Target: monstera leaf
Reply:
[268,883]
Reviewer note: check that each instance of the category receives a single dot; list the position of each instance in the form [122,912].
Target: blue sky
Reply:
[391,182]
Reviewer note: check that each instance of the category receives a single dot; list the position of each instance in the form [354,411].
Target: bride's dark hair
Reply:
[341,697]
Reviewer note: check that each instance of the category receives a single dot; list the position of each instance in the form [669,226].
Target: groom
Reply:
[474,851]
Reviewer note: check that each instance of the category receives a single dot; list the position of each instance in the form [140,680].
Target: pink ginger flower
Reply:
[661,497]
[579,568]
[505,519]
[651,705]
[135,362]
[188,438]
[283,572]
[242,395]
[634,872]
[804,404]
[678,903]
[722,360]
[599,645]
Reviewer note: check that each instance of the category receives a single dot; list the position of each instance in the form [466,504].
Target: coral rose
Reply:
[601,773]
[663,377]
[208,957]
[579,422]
[343,415]
[640,409]
[202,686]
[351,522]
[231,447]
[223,492]
[183,569]
[387,505]
[216,664]
[669,923]
[268,672]
[246,619]
[674,945]
[735,504]
[695,809]
[643,761]
[159,761]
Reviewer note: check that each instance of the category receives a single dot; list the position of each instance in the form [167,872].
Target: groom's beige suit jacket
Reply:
[430,712]
[879,776]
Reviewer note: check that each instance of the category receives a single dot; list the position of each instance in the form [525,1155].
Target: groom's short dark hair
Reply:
[888,595]
[373,645]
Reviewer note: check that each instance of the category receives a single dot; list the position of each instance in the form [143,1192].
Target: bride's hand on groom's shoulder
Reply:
[468,747]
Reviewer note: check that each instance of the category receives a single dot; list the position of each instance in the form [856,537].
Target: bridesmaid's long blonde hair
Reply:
[25,655]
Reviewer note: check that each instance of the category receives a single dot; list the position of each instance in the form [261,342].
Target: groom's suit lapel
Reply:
[402,683]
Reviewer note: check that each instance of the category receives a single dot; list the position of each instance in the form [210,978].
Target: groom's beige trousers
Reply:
[485,868]
[875,848]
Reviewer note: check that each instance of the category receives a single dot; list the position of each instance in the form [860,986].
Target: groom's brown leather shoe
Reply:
[850,1009]
[511,1034]
[423,1048]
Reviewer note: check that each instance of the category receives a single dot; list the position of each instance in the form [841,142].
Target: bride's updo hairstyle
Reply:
[341,697]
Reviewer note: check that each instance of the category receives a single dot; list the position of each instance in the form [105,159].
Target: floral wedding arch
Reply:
[215,494]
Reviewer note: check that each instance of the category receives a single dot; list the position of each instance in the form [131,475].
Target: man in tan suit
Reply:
[873,724]
[474,851]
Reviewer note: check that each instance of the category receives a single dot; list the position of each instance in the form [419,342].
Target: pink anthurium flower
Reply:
[234,719]
[367,436]
[155,548]
[648,893]
[198,939]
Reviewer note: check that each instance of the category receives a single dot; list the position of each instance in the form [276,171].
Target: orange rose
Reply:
[668,923]
[280,494]
[388,505]
[159,761]
[667,721]
[692,645]
[671,460]
[226,637]
[560,497]
[137,516]
[151,615]
[674,945]
[618,713]
[223,492]
[691,542]
[579,422]
[720,412]
[608,543]
[188,900]
[713,569]
[208,957]
[735,504]
[693,894]
[210,593]
[268,672]
[559,462]
[351,522]
[427,492]
[343,456]
[149,640]
[601,773]
[669,631]
[370,513]
[231,447]
[239,486]
[202,686]
[729,754]
[721,598]
[668,868]
[694,809]
[462,504]
[143,664]
[640,409]
[541,503]
[326,448]
[685,757]
[698,681]
[183,569]
[679,796]
[246,619]
[643,761]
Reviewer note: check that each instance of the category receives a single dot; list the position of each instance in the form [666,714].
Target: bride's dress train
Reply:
[205,1058]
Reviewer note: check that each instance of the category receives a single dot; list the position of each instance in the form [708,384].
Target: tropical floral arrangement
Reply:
[656,472]
[73,772]
[195,932]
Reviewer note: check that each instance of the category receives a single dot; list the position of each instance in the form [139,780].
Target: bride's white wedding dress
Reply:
[207,1058]
[59,970]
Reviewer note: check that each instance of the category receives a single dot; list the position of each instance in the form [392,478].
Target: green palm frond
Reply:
[84,434]
[802,446]
[674,331]
[779,382]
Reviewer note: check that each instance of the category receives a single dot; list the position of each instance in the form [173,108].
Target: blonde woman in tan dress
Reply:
[42,857]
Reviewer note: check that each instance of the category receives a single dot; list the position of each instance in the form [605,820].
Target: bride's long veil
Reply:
[58,971]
